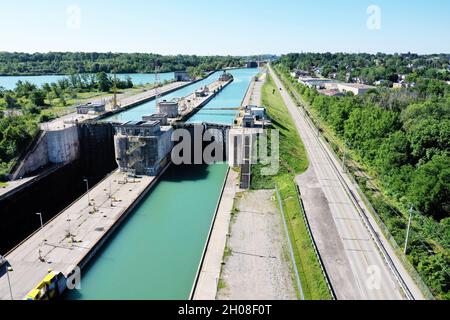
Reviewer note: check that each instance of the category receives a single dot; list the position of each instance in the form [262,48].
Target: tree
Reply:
[429,189]
[428,137]
[38,98]
[104,83]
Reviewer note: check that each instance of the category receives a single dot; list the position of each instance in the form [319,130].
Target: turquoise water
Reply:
[9,82]
[136,113]
[230,97]
[156,252]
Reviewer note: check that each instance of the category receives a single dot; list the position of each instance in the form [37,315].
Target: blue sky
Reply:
[235,27]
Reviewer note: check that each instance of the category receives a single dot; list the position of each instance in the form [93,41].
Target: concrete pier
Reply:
[73,237]
[192,103]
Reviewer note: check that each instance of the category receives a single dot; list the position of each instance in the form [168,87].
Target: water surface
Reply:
[9,82]
[156,252]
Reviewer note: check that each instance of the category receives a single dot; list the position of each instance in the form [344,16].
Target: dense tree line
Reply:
[79,62]
[372,67]
[403,138]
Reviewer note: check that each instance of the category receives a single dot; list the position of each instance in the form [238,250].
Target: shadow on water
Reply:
[181,173]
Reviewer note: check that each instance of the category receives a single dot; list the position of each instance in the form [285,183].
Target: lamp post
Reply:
[87,190]
[42,224]
[8,269]
[40,216]
[408,230]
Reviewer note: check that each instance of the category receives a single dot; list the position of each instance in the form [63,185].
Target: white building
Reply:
[355,88]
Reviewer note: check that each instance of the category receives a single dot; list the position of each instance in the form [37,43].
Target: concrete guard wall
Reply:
[63,145]
[35,158]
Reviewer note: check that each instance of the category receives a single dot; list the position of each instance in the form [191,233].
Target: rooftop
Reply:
[357,85]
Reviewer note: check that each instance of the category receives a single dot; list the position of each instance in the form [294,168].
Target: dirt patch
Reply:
[256,264]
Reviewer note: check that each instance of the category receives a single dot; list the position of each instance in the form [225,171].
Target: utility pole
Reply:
[344,156]
[114,106]
[409,229]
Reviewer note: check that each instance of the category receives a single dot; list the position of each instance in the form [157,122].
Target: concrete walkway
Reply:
[87,221]
[123,100]
[210,272]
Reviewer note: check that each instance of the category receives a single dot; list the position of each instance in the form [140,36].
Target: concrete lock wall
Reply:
[63,145]
[54,190]
[36,158]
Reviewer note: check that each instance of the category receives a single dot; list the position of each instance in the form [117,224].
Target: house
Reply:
[398,85]
[381,82]
[317,83]
[333,75]
[296,73]
[403,84]
[318,71]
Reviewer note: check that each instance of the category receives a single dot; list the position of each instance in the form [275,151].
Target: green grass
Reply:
[293,161]
[293,158]
[221,285]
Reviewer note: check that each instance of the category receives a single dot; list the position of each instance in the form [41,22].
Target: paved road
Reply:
[358,269]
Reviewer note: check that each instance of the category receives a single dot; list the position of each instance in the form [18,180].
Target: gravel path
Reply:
[258,267]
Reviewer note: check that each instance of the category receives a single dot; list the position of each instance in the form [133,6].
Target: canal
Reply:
[156,252]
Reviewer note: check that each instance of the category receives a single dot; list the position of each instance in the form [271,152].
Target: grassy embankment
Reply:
[293,161]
